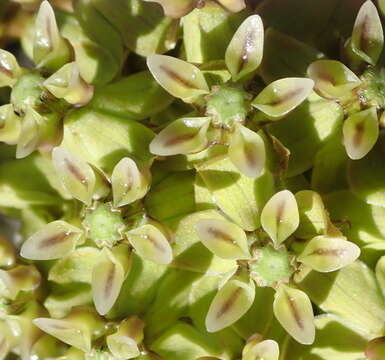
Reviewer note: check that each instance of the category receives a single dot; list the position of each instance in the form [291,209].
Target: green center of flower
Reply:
[374,89]
[104,225]
[227,104]
[271,266]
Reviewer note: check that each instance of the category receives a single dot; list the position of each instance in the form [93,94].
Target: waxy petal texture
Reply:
[325,254]
[282,96]
[9,69]
[76,175]
[223,238]
[368,36]
[53,241]
[280,216]
[245,51]
[294,311]
[247,151]
[360,132]
[178,77]
[183,136]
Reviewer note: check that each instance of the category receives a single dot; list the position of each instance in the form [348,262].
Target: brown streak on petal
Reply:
[226,306]
[359,134]
[365,27]
[177,78]
[155,243]
[251,158]
[54,240]
[285,97]
[108,285]
[5,71]
[76,172]
[294,311]
[179,139]
[220,234]
[280,210]
[58,326]
[327,77]
[243,60]
[334,252]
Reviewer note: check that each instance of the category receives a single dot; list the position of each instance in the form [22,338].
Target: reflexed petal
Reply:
[293,310]
[178,77]
[128,182]
[53,241]
[124,343]
[9,69]
[325,254]
[9,125]
[183,136]
[245,51]
[108,275]
[76,175]
[20,278]
[360,132]
[264,350]
[67,84]
[150,243]
[368,37]
[223,238]
[247,151]
[29,136]
[332,78]
[176,9]
[65,331]
[233,5]
[375,350]
[49,48]
[230,303]
[280,217]
[282,96]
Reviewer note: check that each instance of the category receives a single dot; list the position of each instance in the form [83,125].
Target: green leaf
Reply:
[360,133]
[238,196]
[245,51]
[178,77]
[341,293]
[280,217]
[53,241]
[282,96]
[367,36]
[183,136]
[294,311]
[223,238]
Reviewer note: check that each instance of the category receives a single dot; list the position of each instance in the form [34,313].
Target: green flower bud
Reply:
[280,217]
[223,238]
[178,77]
[244,53]
[53,241]
[282,96]
[294,311]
